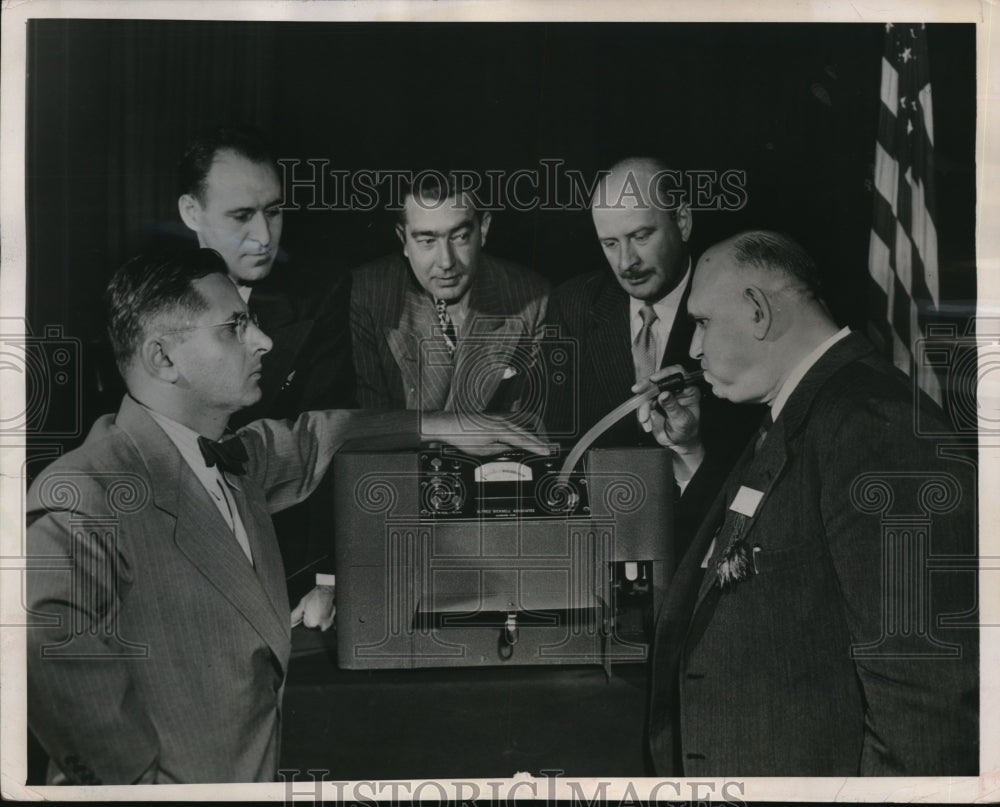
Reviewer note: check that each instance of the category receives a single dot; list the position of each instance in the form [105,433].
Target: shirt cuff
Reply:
[325,579]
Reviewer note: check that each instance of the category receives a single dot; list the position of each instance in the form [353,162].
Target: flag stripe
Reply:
[890,85]
[902,253]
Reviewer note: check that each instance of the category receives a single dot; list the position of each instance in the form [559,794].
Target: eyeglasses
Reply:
[238,325]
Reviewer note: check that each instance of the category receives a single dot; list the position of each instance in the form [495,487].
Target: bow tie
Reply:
[228,454]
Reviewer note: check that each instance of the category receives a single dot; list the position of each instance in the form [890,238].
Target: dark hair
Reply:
[432,186]
[201,151]
[777,251]
[149,286]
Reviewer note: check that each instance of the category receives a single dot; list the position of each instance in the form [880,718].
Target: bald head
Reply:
[755,302]
[643,226]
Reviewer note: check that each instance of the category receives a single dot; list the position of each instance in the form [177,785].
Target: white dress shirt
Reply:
[216,482]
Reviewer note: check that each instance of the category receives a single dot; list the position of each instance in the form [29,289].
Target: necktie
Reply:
[447,326]
[229,454]
[644,347]
[765,424]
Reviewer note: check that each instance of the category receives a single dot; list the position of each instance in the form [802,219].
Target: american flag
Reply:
[903,253]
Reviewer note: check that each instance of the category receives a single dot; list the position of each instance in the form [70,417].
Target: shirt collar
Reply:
[186,442]
[801,369]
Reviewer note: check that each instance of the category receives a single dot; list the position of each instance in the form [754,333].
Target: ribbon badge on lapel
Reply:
[736,565]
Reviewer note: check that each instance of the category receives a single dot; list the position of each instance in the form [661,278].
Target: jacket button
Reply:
[695,676]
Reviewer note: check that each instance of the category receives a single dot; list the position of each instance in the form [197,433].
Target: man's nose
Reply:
[257,339]
[627,256]
[260,229]
[445,254]
[696,352]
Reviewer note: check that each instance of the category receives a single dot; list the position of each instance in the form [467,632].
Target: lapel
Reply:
[268,565]
[203,536]
[759,472]
[762,471]
[610,342]
[487,345]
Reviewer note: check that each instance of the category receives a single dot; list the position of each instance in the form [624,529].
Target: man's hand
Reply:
[675,422]
[316,609]
[484,436]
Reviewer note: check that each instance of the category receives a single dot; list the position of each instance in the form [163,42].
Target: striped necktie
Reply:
[447,326]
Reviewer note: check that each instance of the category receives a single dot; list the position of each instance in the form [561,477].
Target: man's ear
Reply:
[760,311]
[684,220]
[153,357]
[484,227]
[190,209]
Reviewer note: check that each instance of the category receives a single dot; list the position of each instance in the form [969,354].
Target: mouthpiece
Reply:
[678,381]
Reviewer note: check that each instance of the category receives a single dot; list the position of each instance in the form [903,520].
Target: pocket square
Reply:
[509,372]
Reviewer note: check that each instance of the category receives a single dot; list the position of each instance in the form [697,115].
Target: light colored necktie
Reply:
[447,326]
[644,347]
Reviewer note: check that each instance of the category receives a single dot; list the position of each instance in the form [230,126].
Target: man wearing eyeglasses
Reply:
[231,198]
[161,636]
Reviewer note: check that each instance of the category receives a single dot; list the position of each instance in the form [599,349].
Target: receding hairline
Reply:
[640,169]
[231,154]
[788,260]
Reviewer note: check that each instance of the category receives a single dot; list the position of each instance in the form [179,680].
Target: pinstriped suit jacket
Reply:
[852,648]
[157,650]
[392,320]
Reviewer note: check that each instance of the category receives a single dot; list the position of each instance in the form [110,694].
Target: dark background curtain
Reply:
[795,106]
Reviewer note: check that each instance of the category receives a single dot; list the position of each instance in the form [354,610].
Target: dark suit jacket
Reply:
[592,311]
[309,365]
[157,650]
[830,660]
[308,368]
[391,316]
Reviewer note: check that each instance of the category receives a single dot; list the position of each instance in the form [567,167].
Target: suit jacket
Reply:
[833,658]
[308,368]
[392,319]
[157,651]
[592,311]
[309,364]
